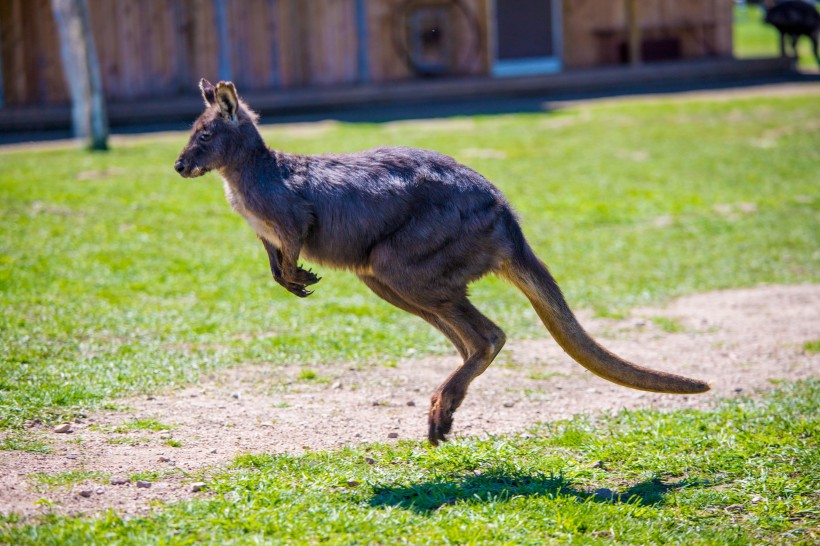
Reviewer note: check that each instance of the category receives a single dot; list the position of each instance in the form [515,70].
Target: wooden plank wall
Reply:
[722,15]
[150,48]
[318,42]
[254,45]
[32,69]
[160,48]
[133,39]
[704,27]
[386,60]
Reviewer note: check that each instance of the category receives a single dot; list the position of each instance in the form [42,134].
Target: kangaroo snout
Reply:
[187,170]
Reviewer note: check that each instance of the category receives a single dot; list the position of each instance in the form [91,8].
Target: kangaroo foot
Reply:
[440,419]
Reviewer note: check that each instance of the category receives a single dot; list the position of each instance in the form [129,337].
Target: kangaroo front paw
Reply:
[298,290]
[305,277]
[294,288]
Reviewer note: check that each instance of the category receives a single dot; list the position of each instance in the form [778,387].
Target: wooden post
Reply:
[82,72]
[633,29]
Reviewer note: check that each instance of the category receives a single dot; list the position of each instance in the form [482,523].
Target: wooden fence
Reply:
[150,49]
[159,48]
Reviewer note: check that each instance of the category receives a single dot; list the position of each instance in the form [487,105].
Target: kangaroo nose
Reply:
[179,166]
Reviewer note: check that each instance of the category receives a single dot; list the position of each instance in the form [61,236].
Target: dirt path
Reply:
[740,340]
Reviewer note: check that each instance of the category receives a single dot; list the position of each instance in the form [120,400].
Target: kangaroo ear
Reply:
[227,100]
[207,92]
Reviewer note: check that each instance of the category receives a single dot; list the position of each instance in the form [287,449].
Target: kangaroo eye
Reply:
[205,136]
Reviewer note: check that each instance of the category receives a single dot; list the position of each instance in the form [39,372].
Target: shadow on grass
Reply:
[428,496]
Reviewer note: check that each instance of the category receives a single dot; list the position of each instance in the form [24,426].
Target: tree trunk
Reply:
[82,72]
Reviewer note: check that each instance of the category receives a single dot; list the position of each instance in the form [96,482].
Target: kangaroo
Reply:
[794,18]
[414,225]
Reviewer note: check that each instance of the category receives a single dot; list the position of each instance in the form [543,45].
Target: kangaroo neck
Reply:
[250,166]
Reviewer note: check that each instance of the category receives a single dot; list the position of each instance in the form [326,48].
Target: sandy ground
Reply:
[739,340]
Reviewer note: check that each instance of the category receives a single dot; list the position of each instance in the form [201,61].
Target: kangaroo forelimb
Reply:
[299,278]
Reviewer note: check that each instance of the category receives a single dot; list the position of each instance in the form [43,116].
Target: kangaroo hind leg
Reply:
[483,340]
[391,296]
[475,337]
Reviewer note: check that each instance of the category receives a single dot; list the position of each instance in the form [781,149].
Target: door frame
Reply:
[528,66]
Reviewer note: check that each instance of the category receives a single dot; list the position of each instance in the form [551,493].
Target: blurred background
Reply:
[309,55]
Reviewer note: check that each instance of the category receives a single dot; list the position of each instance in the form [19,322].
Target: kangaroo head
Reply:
[221,135]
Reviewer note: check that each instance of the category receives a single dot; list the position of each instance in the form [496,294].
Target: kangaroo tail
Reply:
[531,276]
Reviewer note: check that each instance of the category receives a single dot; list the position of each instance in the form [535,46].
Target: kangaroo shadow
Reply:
[427,496]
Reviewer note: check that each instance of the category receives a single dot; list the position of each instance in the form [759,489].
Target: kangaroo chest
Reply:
[260,226]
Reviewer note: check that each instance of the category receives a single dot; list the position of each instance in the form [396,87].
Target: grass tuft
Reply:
[141,424]
[307,375]
[669,325]
[23,442]
[812,346]
[71,477]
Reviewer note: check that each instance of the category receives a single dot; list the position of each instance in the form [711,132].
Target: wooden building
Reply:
[160,48]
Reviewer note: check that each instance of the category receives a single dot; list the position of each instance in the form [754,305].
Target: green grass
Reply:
[119,277]
[72,477]
[754,38]
[142,424]
[307,374]
[747,472]
[134,425]
[154,475]
[126,440]
[19,441]
[668,325]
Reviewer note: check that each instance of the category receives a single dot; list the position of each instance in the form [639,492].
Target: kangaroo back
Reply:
[533,278]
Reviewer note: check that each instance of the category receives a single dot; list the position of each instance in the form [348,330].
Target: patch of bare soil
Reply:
[740,340]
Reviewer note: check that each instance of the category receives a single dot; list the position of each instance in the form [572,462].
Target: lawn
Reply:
[744,473]
[118,277]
